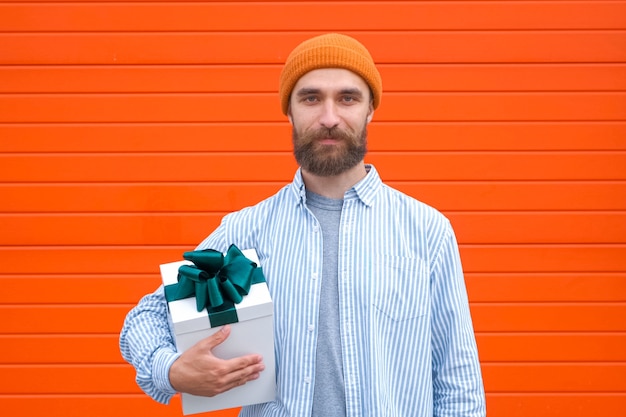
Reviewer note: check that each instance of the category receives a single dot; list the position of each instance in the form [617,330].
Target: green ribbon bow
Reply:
[218,282]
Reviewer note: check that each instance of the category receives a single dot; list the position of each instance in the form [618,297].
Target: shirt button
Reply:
[316,229]
[314,275]
[307,379]
[311,327]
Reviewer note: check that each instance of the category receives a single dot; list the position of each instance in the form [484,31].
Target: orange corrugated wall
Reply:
[128,129]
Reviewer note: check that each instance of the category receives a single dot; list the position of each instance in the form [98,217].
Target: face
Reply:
[329,109]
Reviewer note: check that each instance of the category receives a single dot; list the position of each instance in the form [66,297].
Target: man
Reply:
[371,313]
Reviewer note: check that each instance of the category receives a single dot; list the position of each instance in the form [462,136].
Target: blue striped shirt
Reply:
[407,339]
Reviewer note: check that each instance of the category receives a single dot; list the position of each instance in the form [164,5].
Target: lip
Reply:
[328,141]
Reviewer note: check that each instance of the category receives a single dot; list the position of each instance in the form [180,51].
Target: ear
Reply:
[289,115]
[370,114]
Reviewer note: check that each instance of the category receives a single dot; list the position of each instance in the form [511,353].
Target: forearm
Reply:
[457,383]
[457,379]
[146,343]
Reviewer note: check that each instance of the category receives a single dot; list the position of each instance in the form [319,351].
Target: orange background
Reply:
[128,129]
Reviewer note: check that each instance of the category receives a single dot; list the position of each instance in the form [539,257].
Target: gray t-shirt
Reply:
[328,398]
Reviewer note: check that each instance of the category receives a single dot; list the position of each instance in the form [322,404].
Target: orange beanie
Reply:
[332,50]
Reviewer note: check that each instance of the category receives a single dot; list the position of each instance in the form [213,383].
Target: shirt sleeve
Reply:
[457,380]
[146,342]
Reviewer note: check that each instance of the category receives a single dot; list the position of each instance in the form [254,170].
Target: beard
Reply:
[329,160]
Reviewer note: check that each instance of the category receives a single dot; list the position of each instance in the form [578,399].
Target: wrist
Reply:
[161,364]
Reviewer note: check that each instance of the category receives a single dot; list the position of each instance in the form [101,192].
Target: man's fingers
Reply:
[245,368]
[254,362]
[218,337]
[242,377]
[197,371]
[234,364]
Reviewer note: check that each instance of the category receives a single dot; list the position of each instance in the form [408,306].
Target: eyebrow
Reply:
[350,91]
[307,91]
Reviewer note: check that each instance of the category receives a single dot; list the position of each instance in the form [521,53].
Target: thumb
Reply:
[218,337]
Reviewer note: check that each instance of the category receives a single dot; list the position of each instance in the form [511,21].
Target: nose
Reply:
[329,117]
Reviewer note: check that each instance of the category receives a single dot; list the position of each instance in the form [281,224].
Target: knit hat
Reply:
[332,50]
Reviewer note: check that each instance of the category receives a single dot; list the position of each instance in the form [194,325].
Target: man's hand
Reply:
[197,371]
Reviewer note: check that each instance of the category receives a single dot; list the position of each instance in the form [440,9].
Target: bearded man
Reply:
[371,315]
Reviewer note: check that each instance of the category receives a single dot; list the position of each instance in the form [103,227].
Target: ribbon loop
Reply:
[217,281]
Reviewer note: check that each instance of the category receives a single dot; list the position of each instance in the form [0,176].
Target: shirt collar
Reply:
[365,190]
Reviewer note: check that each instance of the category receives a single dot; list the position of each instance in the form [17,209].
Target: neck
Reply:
[337,185]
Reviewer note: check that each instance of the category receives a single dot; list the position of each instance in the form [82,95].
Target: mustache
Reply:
[326,133]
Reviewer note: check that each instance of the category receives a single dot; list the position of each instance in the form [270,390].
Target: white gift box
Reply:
[253,333]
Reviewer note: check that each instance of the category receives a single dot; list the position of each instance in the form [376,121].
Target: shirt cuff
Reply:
[163,360]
